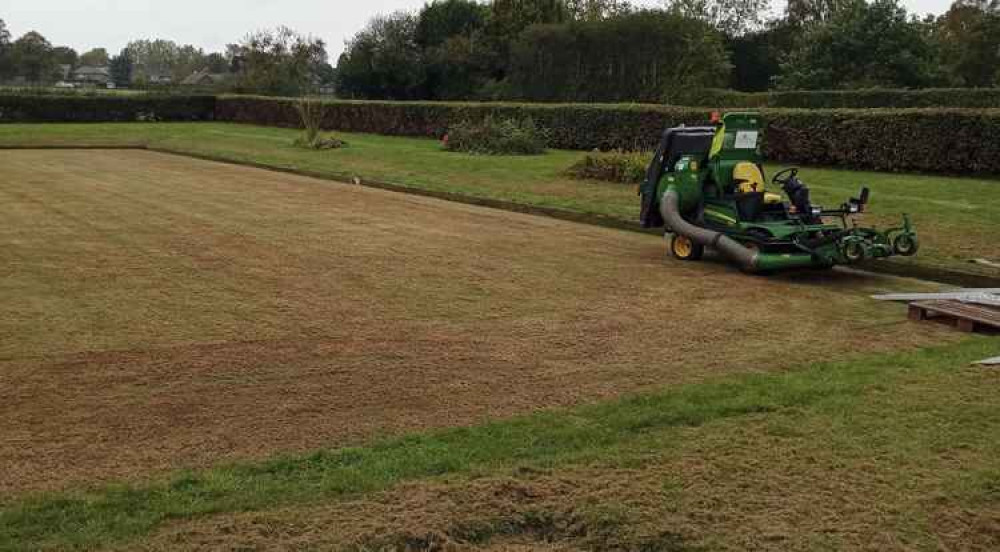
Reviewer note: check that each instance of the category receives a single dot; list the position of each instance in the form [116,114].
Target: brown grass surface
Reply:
[743,490]
[890,480]
[162,312]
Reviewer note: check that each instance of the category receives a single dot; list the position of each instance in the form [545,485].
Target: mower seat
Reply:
[750,180]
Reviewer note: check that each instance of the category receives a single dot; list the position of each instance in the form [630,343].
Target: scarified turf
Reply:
[162,312]
[884,473]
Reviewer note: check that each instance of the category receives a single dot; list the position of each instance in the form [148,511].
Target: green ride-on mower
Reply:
[706,188]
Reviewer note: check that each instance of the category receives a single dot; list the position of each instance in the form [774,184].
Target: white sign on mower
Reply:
[746,139]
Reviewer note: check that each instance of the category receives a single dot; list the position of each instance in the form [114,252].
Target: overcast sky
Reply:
[211,24]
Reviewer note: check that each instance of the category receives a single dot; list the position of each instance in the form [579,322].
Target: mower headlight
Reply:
[854,209]
[817,211]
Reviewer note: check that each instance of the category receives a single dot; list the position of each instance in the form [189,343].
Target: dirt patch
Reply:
[165,312]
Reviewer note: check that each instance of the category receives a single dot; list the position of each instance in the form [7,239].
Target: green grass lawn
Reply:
[895,450]
[887,451]
[956,217]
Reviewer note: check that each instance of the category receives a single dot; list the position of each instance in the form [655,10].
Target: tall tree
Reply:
[597,10]
[644,56]
[121,68]
[159,59]
[443,19]
[98,57]
[6,63]
[862,45]
[4,34]
[968,35]
[455,51]
[384,60]
[732,17]
[151,59]
[757,55]
[278,62]
[460,68]
[805,12]
[508,19]
[326,74]
[187,60]
[217,63]
[65,55]
[34,59]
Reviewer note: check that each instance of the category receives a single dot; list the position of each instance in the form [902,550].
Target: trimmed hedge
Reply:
[837,99]
[927,140]
[568,126]
[39,108]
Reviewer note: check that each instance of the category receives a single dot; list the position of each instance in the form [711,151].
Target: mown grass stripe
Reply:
[121,512]
[940,206]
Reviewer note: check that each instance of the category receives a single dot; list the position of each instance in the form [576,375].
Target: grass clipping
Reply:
[626,167]
[496,137]
[312,113]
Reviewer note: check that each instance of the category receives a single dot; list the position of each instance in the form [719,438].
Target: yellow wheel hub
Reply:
[683,247]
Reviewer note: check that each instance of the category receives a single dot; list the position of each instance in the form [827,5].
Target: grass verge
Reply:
[955,216]
[610,432]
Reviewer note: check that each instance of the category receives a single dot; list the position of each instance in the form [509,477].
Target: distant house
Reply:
[160,79]
[204,78]
[65,76]
[92,74]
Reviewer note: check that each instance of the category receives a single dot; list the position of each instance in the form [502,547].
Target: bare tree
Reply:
[732,17]
[597,10]
[278,61]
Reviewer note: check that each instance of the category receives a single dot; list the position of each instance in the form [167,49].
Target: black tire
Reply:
[906,245]
[854,252]
[683,248]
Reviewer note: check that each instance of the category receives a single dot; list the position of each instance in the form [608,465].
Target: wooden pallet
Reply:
[968,317]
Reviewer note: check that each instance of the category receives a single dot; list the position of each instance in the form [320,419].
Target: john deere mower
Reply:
[706,188]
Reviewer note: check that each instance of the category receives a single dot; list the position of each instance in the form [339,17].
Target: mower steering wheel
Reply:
[791,172]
